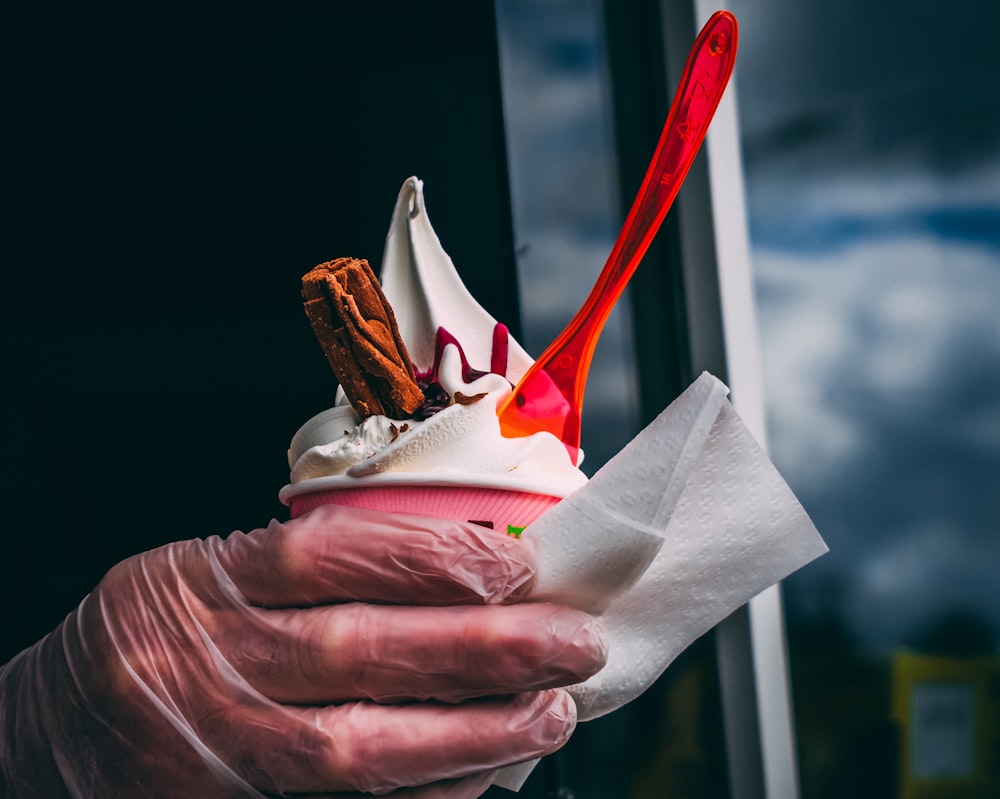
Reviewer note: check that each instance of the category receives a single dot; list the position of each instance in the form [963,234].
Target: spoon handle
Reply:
[550,395]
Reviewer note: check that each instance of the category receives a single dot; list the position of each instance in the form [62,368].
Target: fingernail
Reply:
[545,720]
[594,643]
[559,719]
[585,641]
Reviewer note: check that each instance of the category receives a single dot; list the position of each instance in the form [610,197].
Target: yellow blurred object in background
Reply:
[948,712]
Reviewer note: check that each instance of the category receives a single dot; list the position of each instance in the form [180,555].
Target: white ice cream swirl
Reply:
[460,350]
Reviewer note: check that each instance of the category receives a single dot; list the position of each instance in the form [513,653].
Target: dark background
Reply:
[168,179]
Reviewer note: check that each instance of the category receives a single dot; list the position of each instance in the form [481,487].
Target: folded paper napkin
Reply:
[685,525]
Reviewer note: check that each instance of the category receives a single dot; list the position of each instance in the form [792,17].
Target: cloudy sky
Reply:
[873,179]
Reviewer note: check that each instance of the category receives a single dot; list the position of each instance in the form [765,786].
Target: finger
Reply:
[391,654]
[336,553]
[375,748]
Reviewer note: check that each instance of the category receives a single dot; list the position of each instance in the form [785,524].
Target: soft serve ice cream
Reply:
[465,363]
[686,524]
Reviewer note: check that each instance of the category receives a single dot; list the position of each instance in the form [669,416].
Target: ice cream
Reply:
[686,524]
[464,362]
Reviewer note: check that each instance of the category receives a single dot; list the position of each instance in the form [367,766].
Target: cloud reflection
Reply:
[882,370]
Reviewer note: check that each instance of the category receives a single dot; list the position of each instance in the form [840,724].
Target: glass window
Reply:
[870,141]
[873,173]
[567,213]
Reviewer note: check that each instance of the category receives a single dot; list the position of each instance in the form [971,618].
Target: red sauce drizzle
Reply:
[435,397]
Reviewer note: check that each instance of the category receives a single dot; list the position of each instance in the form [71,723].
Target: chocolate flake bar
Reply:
[358,333]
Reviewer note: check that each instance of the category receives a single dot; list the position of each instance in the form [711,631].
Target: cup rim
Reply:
[507,482]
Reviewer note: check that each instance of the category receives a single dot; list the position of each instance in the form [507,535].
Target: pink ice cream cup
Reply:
[453,465]
[499,509]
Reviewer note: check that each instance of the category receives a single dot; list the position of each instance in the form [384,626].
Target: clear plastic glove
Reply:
[344,652]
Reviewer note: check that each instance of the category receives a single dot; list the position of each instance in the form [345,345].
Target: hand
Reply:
[344,651]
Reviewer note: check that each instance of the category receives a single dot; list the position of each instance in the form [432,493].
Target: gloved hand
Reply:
[345,651]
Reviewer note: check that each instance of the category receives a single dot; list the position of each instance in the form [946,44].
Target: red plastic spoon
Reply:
[550,395]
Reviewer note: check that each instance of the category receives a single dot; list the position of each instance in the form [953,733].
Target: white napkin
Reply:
[685,525]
